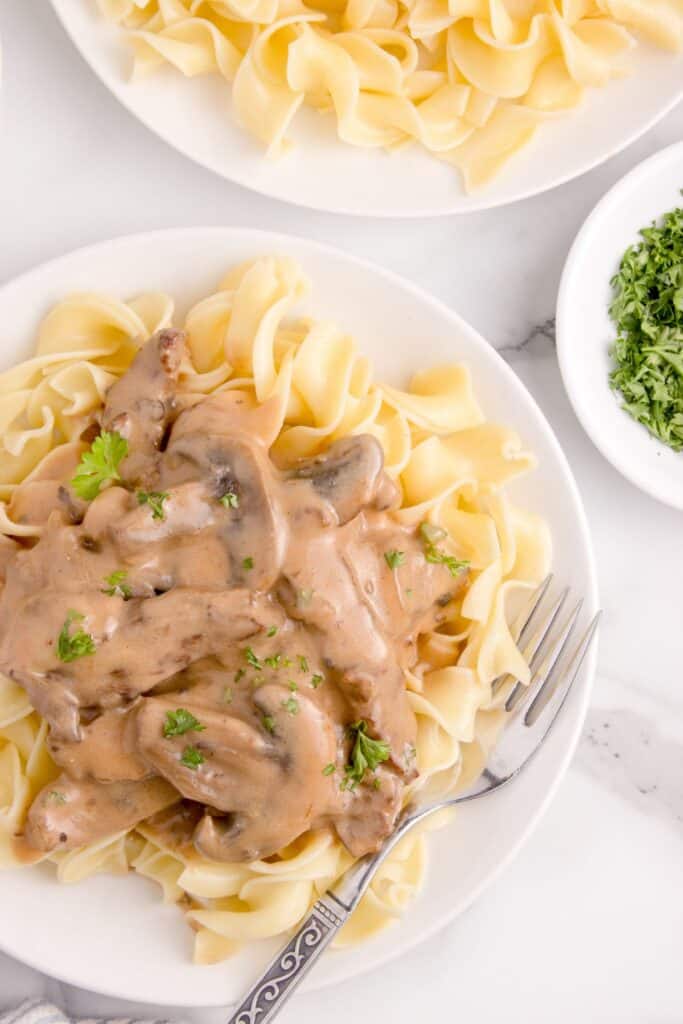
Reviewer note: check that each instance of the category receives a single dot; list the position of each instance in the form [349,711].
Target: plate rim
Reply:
[575,258]
[341,209]
[356,966]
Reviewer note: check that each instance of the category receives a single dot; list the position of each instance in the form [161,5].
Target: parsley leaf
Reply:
[273,660]
[303,662]
[71,646]
[394,558]
[55,797]
[316,680]
[366,755]
[230,500]
[329,769]
[248,562]
[192,758]
[252,659]
[116,587]
[647,310]
[272,630]
[268,723]
[435,555]
[291,706]
[155,500]
[181,721]
[99,465]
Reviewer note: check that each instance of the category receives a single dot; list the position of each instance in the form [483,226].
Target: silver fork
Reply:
[543,634]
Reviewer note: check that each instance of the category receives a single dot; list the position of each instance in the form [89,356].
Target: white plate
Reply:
[585,331]
[113,935]
[195,117]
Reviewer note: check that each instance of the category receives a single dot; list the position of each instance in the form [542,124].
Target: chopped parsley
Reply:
[329,769]
[272,630]
[366,755]
[227,695]
[248,562]
[252,659]
[394,558]
[181,721]
[647,310]
[55,797]
[71,646]
[99,465]
[268,723]
[230,500]
[292,685]
[291,706]
[116,585]
[303,663]
[155,500]
[430,535]
[239,674]
[273,660]
[316,680]
[192,758]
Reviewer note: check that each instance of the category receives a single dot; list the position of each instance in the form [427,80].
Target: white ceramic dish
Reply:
[585,331]
[113,935]
[195,117]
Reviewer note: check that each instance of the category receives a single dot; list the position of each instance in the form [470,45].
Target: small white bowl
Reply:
[585,331]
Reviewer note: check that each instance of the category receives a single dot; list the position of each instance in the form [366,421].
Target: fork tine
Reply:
[523,623]
[535,648]
[549,657]
[567,677]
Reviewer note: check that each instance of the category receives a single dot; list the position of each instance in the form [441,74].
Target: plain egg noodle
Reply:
[451,465]
[470,80]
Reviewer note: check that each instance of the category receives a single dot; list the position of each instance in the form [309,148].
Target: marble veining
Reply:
[586,923]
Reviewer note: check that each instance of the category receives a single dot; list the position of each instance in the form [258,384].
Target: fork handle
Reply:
[286,972]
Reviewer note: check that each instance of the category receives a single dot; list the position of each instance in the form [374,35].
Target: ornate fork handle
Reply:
[292,963]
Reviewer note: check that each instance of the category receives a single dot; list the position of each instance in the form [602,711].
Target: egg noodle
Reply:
[451,465]
[470,80]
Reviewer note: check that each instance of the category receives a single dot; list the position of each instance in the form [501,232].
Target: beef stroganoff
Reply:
[252,601]
[469,80]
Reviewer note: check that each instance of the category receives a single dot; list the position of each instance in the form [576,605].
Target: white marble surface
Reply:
[587,923]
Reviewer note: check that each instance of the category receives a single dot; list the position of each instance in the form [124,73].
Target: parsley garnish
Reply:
[303,663]
[291,706]
[272,630]
[71,646]
[366,755]
[99,465]
[329,769]
[248,562]
[268,723]
[239,673]
[394,558]
[292,685]
[181,721]
[647,310]
[230,500]
[155,500]
[56,797]
[316,680]
[273,661]
[429,533]
[192,758]
[252,659]
[116,587]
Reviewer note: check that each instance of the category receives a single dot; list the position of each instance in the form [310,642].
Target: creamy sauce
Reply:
[273,618]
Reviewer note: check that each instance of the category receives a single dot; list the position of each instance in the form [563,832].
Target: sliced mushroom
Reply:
[350,475]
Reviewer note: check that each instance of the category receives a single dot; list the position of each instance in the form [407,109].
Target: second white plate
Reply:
[195,116]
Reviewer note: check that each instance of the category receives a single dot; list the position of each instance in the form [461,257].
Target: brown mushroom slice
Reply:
[105,751]
[371,814]
[264,774]
[350,475]
[140,405]
[70,813]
